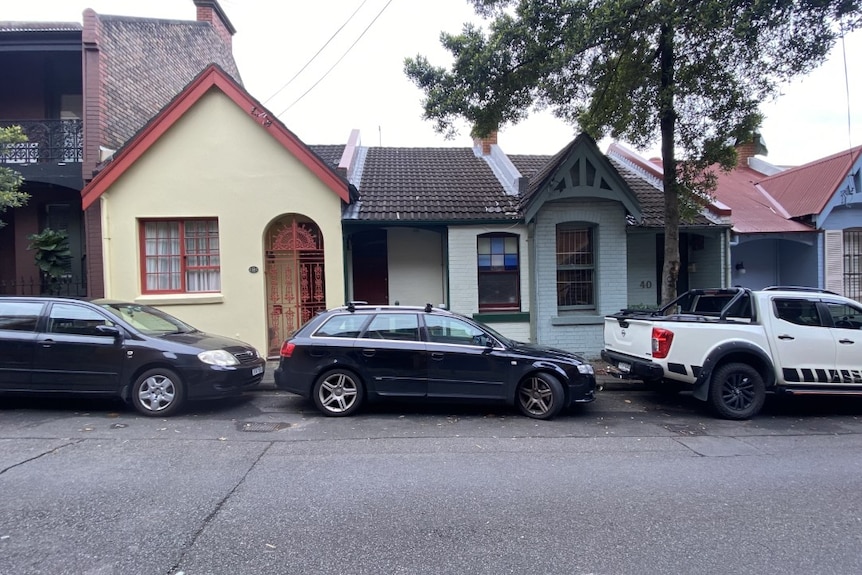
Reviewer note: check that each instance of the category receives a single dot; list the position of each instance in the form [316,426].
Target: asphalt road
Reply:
[631,484]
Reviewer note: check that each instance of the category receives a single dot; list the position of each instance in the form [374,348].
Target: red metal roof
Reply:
[806,189]
[753,210]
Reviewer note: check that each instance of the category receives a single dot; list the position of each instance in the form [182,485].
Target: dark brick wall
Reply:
[95,266]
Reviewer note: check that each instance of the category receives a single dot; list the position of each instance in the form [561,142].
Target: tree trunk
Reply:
[667,121]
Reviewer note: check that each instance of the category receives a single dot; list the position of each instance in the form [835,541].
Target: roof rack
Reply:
[799,288]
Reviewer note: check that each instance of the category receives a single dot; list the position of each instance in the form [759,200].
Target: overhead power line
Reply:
[337,61]
[286,84]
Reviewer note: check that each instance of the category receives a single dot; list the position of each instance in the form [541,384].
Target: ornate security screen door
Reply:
[294,277]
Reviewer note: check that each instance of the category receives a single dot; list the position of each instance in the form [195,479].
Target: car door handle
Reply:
[437,355]
[846,341]
[369,352]
[784,336]
[47,342]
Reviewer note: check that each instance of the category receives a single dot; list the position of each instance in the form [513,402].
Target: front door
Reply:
[370,267]
[295,278]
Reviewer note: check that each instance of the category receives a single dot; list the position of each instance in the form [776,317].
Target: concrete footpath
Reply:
[605,381]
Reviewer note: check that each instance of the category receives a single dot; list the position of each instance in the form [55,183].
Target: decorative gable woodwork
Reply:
[580,171]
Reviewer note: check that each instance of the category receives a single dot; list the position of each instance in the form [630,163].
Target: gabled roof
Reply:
[146,61]
[431,185]
[753,209]
[212,78]
[805,190]
[578,169]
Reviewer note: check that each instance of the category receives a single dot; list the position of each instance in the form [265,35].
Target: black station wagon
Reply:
[148,358]
[345,356]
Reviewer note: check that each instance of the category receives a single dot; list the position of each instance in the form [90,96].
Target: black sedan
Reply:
[148,358]
[345,356]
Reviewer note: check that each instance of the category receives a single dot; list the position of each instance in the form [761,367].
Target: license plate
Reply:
[257,370]
[624,367]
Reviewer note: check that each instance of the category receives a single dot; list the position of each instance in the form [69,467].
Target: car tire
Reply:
[540,396]
[736,391]
[338,393]
[158,393]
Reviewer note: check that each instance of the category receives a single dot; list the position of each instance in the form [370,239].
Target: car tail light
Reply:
[287,349]
[661,340]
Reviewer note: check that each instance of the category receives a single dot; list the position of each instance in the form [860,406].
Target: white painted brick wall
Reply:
[463,273]
[464,277]
[608,217]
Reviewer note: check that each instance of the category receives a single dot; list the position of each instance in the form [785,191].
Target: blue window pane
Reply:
[484,262]
[511,261]
[497,246]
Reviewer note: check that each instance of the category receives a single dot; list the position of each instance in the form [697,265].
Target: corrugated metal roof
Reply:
[753,210]
[806,189]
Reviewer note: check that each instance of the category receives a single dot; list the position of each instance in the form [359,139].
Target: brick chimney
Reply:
[748,149]
[486,142]
[210,11]
[744,151]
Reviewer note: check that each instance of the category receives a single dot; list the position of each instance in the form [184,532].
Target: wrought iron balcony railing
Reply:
[48,142]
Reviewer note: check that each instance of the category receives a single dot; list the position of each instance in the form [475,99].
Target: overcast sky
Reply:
[368,90]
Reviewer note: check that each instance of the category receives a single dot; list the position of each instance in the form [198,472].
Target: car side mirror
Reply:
[110,330]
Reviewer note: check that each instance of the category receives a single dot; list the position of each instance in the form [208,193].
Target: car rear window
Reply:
[19,316]
[346,325]
[398,326]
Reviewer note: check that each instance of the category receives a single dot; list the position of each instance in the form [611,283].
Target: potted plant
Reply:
[52,256]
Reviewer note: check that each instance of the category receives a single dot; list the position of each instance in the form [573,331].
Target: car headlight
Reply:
[218,357]
[585,368]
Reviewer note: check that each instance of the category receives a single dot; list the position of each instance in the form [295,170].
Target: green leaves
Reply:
[10,180]
[690,74]
[52,254]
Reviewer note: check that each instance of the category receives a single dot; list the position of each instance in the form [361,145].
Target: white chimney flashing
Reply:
[763,166]
[503,168]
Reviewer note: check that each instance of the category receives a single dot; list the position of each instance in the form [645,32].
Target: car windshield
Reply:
[147,319]
[501,338]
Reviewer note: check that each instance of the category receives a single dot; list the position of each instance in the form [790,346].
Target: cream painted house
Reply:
[219,215]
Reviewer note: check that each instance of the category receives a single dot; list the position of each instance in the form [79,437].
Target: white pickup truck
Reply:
[732,346]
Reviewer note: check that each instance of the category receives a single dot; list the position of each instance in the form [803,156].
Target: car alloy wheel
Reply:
[540,396]
[338,393]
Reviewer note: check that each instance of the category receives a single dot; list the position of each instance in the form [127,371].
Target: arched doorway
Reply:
[294,277]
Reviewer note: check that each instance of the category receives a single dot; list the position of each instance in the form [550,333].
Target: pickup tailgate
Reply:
[629,335]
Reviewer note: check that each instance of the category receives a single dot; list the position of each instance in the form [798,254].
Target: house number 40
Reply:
[646,284]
